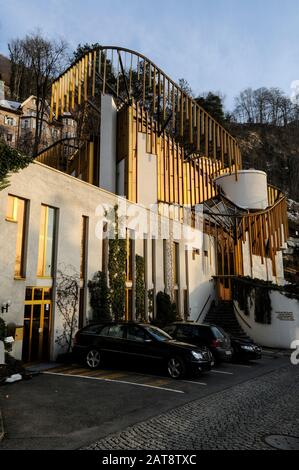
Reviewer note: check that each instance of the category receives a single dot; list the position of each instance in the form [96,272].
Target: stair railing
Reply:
[203,307]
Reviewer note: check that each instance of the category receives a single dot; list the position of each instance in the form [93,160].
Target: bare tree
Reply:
[68,292]
[36,61]
[265,106]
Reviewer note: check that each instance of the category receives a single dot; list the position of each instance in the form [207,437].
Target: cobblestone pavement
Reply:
[237,418]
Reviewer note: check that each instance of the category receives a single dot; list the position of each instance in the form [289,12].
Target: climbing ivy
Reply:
[99,297]
[140,289]
[245,289]
[117,269]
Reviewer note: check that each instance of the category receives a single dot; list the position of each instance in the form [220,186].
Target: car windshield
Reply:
[158,334]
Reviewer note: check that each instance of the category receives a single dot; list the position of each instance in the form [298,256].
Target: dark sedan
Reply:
[135,341]
[211,336]
[245,349]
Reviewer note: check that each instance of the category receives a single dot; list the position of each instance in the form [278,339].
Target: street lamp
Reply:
[5,306]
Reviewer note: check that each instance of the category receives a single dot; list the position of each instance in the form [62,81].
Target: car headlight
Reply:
[196,355]
[248,348]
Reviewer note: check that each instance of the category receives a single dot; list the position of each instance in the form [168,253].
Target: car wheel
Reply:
[93,359]
[176,367]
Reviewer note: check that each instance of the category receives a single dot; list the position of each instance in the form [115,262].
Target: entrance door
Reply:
[37,324]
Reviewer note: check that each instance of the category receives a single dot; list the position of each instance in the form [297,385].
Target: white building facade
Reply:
[188,209]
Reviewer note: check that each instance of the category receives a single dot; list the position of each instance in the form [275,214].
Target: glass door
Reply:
[37,325]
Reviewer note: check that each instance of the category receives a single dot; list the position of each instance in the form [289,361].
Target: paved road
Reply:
[70,407]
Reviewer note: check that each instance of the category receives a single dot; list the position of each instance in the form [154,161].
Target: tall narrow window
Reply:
[84,244]
[154,261]
[46,241]
[165,273]
[175,261]
[16,212]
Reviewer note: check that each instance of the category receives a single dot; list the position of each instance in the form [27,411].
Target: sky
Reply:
[216,45]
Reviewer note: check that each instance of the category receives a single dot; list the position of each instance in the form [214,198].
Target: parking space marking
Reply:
[193,382]
[243,365]
[126,382]
[221,372]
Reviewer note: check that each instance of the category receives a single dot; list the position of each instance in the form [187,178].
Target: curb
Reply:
[1,427]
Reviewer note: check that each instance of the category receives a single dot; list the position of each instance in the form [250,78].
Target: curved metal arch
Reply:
[173,109]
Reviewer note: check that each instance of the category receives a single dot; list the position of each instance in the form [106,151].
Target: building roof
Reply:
[11,105]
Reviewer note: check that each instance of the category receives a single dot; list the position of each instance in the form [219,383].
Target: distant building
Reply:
[18,124]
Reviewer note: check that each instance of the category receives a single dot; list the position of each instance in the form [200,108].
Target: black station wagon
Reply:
[130,342]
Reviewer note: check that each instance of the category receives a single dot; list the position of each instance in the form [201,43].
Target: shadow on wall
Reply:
[200,300]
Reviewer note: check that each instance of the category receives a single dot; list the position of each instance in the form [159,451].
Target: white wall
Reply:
[201,285]
[284,327]
[248,191]
[75,198]
[147,185]
[108,144]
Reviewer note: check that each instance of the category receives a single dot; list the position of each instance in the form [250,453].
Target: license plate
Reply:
[212,363]
[228,353]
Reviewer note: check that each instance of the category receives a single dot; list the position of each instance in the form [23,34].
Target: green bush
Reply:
[99,297]
[166,309]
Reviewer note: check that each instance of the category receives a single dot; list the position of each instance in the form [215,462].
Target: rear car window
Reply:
[204,332]
[217,333]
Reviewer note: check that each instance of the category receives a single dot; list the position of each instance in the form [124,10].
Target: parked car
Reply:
[211,336]
[136,341]
[245,349]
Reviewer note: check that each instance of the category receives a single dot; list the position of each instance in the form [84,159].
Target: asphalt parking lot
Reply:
[68,406]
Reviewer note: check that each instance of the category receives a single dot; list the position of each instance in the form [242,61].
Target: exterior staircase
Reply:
[224,316]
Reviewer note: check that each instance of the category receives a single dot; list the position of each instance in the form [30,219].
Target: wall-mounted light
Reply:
[5,306]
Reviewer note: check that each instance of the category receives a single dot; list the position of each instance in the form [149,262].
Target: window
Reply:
[25,123]
[112,331]
[46,241]
[17,212]
[84,244]
[165,262]
[175,261]
[185,330]
[170,329]
[9,137]
[154,261]
[9,121]
[195,251]
[134,333]
[116,331]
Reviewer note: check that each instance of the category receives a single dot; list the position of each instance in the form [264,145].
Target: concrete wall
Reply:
[201,285]
[284,327]
[108,144]
[147,174]
[249,191]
